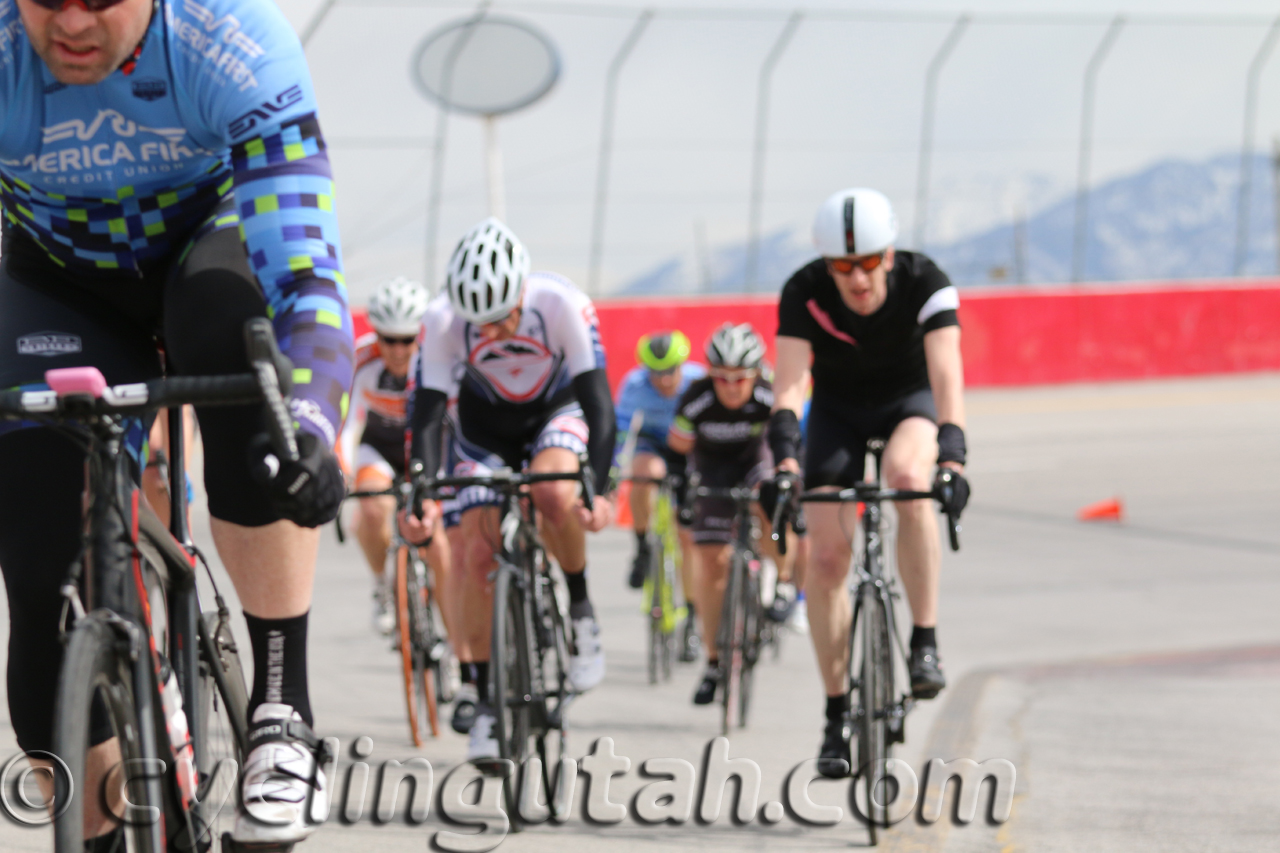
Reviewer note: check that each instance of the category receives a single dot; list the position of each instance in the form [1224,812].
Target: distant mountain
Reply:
[1172,220]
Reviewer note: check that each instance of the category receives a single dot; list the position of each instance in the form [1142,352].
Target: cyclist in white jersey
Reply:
[372,443]
[523,356]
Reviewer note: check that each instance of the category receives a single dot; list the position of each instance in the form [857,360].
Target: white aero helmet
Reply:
[397,307]
[856,221]
[487,272]
[735,347]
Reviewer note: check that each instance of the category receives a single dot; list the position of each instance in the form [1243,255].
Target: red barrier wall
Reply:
[1023,335]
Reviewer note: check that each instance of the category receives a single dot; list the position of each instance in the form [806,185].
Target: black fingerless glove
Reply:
[784,435]
[955,491]
[308,492]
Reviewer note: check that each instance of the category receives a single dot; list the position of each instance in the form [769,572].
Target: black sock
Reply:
[713,662]
[577,584]
[837,707]
[467,672]
[923,637]
[689,609]
[111,842]
[480,669]
[641,536]
[279,663]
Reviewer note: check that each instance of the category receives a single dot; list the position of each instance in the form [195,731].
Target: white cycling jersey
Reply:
[376,413]
[519,381]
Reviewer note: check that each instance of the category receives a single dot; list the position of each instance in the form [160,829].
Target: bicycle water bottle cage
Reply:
[76,382]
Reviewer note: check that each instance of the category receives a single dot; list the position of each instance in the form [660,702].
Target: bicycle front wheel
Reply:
[511,691]
[875,701]
[412,658]
[654,587]
[752,624]
[221,728]
[97,734]
[729,640]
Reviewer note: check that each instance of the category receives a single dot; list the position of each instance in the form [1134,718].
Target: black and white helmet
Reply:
[735,347]
[487,272]
[397,307]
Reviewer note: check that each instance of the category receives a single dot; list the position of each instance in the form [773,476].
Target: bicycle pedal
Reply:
[230,845]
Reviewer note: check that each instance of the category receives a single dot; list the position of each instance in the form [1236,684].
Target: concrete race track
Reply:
[1129,671]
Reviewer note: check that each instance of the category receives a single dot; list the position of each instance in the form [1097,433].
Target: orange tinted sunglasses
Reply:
[866,263]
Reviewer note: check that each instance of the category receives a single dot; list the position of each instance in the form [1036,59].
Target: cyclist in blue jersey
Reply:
[163,178]
[653,388]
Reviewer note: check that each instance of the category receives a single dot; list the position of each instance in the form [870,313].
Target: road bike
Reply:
[147,673]
[744,631]
[877,656]
[529,688]
[425,657]
[659,598]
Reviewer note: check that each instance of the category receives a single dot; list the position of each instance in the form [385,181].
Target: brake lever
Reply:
[946,492]
[780,513]
[275,378]
[416,486]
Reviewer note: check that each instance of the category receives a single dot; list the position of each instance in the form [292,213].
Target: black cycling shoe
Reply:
[690,644]
[927,679]
[706,693]
[464,709]
[784,601]
[640,565]
[834,758]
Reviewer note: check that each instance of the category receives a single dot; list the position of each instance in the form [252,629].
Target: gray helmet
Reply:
[397,307]
[735,346]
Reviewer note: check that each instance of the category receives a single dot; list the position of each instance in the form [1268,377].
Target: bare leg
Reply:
[373,525]
[272,567]
[829,611]
[100,762]
[452,601]
[908,464]
[713,577]
[477,533]
[561,530]
[688,566]
[439,557]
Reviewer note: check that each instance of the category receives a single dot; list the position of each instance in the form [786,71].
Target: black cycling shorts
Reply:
[198,306]
[713,518]
[836,442]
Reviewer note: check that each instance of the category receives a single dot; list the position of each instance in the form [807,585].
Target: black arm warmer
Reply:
[951,446]
[425,423]
[784,435]
[592,391]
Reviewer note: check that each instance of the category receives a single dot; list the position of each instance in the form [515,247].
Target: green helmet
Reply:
[662,351]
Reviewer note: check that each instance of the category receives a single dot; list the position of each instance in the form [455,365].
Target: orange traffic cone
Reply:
[623,518]
[1111,509]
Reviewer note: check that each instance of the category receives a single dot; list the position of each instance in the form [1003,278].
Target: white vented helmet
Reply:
[856,221]
[486,273]
[735,346]
[397,307]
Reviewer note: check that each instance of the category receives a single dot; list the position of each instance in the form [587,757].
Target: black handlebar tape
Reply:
[238,389]
[275,377]
[587,478]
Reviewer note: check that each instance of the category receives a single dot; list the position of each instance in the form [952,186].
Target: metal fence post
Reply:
[926,125]
[1079,246]
[1246,146]
[752,270]
[316,19]
[606,149]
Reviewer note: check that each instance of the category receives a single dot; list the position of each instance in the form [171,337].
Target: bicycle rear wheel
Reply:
[221,729]
[875,700]
[509,670]
[553,670]
[96,699]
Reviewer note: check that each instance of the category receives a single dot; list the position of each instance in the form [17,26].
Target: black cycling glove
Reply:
[955,490]
[308,492]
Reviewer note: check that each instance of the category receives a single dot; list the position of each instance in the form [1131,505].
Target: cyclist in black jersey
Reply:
[720,423]
[881,329]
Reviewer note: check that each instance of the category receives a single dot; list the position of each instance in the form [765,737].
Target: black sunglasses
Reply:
[406,341]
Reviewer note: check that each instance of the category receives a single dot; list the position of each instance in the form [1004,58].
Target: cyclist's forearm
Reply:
[946,373]
[425,425]
[592,390]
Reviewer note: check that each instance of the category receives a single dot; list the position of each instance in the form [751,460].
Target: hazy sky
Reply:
[846,110]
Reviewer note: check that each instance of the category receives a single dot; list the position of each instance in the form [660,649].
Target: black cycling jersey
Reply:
[867,361]
[386,434]
[721,433]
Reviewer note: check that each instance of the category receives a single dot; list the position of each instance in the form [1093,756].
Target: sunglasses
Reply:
[844,266]
[406,341]
[670,371]
[90,5]
[730,377]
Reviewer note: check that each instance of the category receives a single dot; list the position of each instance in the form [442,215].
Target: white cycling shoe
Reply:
[483,745]
[384,617]
[586,664]
[284,791]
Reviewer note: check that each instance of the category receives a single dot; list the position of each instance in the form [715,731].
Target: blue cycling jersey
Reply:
[211,125]
[637,394]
